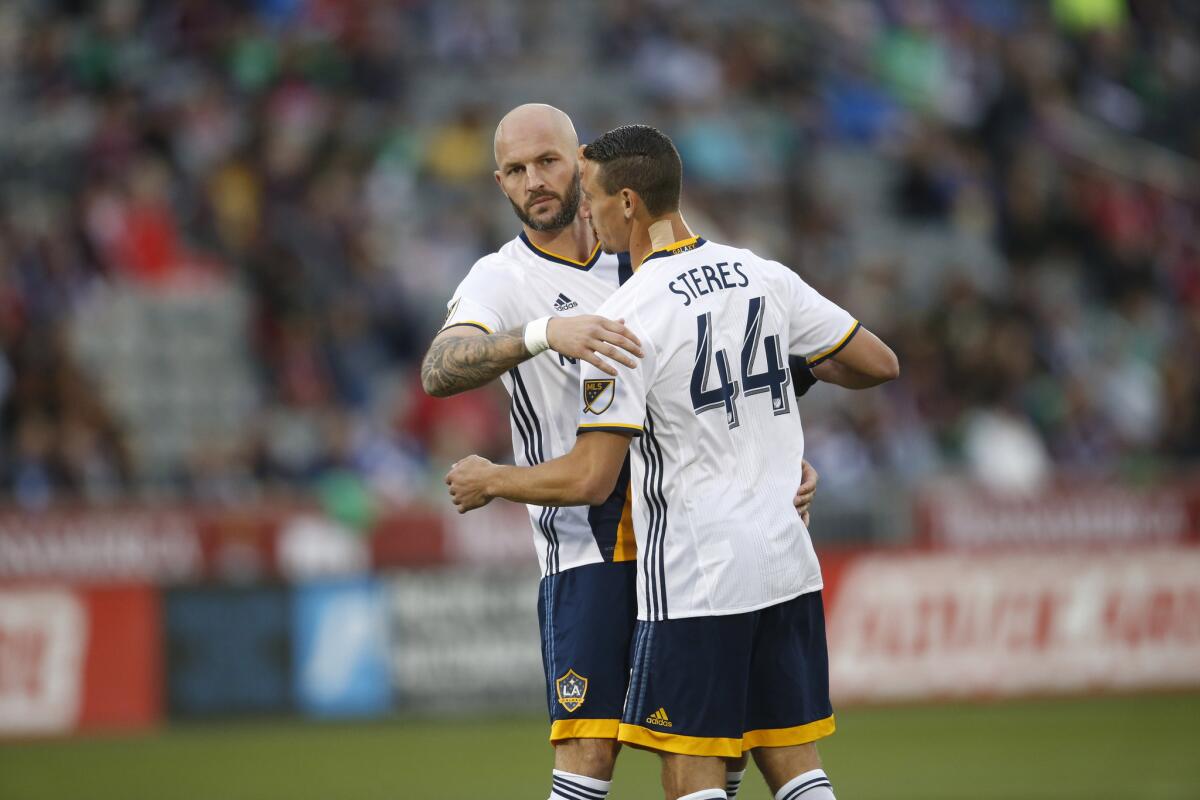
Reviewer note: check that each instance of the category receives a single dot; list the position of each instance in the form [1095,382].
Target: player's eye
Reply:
[515,170]
[548,160]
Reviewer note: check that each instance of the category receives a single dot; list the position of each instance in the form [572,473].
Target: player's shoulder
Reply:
[743,255]
[494,272]
[752,263]
[709,249]
[624,296]
[501,262]
[635,285]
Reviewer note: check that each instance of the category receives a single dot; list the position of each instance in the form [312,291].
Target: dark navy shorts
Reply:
[587,616]
[719,686]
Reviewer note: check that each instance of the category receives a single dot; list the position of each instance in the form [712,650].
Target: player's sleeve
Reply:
[478,302]
[616,405]
[820,328]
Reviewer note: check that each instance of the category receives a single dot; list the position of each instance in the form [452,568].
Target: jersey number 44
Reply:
[774,379]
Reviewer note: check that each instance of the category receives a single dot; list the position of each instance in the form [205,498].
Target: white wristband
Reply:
[535,336]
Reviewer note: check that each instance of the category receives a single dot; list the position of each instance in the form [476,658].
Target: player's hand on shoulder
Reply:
[595,340]
[467,480]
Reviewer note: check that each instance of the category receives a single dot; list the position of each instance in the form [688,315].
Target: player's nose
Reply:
[534,179]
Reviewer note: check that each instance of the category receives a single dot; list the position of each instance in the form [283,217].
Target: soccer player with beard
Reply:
[730,653]
[535,293]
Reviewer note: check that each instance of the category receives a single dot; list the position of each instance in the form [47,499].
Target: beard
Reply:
[564,217]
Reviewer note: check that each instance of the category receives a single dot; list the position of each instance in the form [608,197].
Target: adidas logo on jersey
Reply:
[564,303]
[659,718]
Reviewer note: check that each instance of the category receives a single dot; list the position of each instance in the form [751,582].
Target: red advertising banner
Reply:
[948,515]
[99,545]
[74,659]
[963,515]
[983,625]
[122,672]
[239,544]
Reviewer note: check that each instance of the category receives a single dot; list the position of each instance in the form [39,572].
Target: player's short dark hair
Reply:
[643,159]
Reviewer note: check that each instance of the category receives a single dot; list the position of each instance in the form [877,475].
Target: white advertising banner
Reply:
[466,638]
[953,625]
[43,639]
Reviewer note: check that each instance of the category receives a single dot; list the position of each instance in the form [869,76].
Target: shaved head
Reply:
[537,165]
[534,122]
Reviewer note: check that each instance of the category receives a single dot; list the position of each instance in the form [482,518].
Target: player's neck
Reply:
[576,241]
[657,234]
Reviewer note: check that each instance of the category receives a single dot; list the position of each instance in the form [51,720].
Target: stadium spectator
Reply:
[1012,184]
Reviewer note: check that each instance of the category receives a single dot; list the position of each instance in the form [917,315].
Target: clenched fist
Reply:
[588,337]
[467,480]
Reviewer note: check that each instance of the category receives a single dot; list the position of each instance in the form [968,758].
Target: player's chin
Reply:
[546,211]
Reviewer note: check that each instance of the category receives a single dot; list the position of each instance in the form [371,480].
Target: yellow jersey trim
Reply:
[590,259]
[638,736]
[626,546]
[472,323]
[583,729]
[786,737]
[672,246]
[610,425]
[841,343]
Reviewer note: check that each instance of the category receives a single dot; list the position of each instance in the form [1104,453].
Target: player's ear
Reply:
[499,181]
[629,200]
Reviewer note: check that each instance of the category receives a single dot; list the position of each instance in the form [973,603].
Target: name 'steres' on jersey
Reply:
[718,442]
[693,283]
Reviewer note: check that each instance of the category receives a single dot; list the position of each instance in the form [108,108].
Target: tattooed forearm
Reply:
[457,363]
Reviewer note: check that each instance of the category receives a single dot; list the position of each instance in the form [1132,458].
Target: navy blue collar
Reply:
[557,259]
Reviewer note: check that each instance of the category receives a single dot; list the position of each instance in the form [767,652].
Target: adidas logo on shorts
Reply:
[659,718]
[564,303]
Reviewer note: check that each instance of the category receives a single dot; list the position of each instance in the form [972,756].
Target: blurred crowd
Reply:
[1007,192]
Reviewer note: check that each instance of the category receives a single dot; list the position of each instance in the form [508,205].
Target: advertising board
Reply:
[992,625]
[340,648]
[78,658]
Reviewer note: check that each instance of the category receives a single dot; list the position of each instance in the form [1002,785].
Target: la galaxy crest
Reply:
[598,394]
[572,690]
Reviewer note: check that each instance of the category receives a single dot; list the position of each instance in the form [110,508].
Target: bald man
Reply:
[535,294]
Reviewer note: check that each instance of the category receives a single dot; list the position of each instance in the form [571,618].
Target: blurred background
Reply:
[228,231]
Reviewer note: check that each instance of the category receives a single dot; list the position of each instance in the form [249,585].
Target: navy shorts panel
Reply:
[795,658]
[689,675]
[699,685]
[587,617]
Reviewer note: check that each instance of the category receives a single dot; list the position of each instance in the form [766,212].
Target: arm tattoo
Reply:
[457,363]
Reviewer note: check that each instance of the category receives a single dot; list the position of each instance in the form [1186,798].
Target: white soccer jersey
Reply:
[505,290]
[720,445]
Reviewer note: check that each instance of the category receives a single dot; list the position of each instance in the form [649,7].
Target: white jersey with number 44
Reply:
[719,446]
